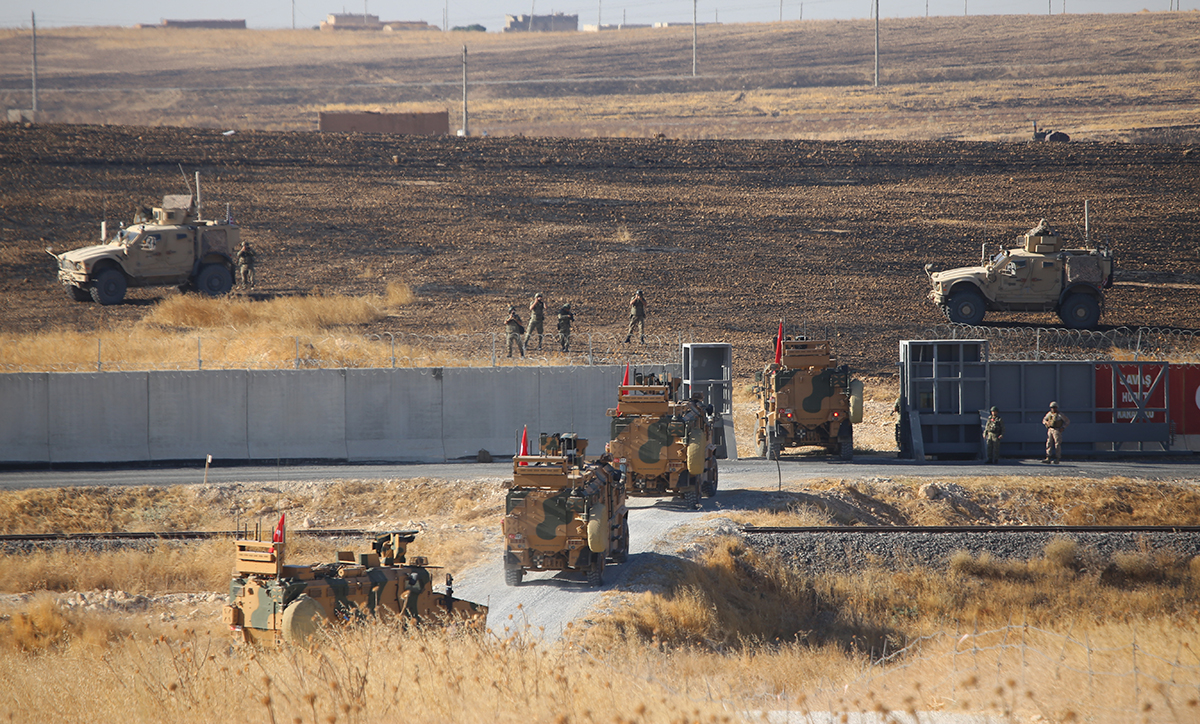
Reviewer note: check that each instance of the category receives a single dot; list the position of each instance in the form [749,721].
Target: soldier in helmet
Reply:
[565,317]
[1055,423]
[993,431]
[515,331]
[245,265]
[637,316]
[537,315]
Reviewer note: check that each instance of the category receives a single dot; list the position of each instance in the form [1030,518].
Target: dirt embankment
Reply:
[724,237]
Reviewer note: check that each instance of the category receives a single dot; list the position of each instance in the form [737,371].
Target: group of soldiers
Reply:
[1054,422]
[522,337]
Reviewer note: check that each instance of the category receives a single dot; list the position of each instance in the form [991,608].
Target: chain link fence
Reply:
[112,352]
[1181,346]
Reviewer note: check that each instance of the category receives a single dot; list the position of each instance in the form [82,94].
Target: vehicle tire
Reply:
[761,449]
[302,619]
[846,441]
[513,576]
[1080,311]
[691,499]
[965,307]
[773,448]
[709,488]
[79,295]
[109,287]
[214,280]
[595,574]
[621,554]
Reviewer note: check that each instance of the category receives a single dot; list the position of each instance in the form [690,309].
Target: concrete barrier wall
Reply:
[346,414]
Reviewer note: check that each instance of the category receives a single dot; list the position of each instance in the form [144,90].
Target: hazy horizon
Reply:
[308,13]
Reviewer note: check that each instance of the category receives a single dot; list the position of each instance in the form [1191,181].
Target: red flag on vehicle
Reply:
[779,344]
[625,380]
[524,443]
[277,536]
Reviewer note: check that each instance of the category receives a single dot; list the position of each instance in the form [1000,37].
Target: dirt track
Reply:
[725,237]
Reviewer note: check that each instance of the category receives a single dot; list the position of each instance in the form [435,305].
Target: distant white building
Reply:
[556,23]
[351,21]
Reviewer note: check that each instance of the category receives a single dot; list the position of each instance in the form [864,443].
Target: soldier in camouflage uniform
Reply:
[993,431]
[245,265]
[1055,423]
[637,316]
[537,315]
[515,332]
[565,317]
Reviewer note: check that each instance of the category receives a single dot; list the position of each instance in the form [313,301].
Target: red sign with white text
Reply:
[1137,387]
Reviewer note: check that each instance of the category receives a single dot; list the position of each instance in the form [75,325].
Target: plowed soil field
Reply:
[724,237]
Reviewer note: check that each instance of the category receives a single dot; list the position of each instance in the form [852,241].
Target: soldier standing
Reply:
[245,264]
[512,327]
[565,317]
[537,315]
[637,316]
[993,431]
[1055,423]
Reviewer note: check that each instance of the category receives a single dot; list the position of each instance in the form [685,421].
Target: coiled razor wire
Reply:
[1181,346]
[216,351]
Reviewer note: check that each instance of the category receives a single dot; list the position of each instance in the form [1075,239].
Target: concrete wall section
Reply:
[485,408]
[24,425]
[194,414]
[393,415]
[297,414]
[98,417]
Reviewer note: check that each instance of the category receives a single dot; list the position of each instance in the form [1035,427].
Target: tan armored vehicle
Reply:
[1039,275]
[664,447]
[561,514]
[171,246]
[807,399]
[271,602]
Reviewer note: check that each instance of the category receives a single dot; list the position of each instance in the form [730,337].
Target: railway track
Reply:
[168,535]
[1061,529]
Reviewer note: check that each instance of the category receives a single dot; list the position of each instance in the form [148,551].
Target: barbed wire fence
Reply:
[1020,670]
[113,352]
[1181,346]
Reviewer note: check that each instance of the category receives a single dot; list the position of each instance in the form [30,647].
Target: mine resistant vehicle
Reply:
[664,446]
[168,246]
[563,514]
[1039,275]
[271,602]
[807,399]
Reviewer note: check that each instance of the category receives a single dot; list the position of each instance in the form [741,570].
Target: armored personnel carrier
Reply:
[806,399]
[168,246]
[271,602]
[562,514]
[1039,275]
[664,446]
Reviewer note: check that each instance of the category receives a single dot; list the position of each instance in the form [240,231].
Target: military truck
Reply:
[1038,275]
[167,246]
[271,602]
[562,514]
[806,399]
[664,446]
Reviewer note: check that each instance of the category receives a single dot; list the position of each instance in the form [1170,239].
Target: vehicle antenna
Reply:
[198,216]
[1087,227]
[186,182]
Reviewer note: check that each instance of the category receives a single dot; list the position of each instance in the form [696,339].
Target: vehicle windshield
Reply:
[124,237]
[1000,259]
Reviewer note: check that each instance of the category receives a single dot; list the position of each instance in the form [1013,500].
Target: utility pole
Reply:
[532,5]
[781,11]
[694,37]
[876,43]
[599,8]
[33,20]
[293,14]
[466,129]
[446,17]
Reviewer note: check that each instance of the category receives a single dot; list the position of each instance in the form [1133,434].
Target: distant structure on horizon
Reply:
[353,21]
[556,23]
[613,26]
[190,24]
[436,123]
